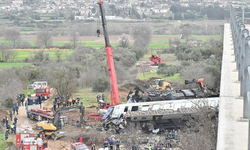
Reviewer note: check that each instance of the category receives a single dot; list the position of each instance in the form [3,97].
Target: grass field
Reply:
[22,54]
[149,75]
[10,65]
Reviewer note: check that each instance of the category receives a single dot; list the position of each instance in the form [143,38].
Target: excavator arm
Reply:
[56,119]
[197,81]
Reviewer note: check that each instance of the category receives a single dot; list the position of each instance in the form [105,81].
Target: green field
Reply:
[149,75]
[21,55]
[10,65]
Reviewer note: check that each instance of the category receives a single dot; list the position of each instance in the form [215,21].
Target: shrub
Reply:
[100,85]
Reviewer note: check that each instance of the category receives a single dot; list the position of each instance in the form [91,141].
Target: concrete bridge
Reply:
[233,129]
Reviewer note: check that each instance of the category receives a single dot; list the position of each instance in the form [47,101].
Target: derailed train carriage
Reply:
[157,114]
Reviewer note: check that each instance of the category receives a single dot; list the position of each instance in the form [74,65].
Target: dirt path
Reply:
[24,121]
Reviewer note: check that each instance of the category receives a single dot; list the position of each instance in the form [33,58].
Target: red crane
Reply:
[111,69]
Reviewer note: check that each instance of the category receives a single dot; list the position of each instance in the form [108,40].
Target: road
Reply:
[23,121]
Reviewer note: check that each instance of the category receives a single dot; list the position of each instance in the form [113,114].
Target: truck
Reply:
[115,99]
[43,90]
[26,140]
[51,127]
[37,84]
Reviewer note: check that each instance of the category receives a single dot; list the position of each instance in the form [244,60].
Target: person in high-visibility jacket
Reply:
[105,144]
[170,134]
[149,148]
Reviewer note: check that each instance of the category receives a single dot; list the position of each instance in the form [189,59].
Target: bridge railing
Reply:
[241,40]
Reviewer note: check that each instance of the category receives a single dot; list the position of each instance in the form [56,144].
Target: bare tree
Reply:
[201,130]
[142,35]
[186,32]
[12,35]
[74,38]
[10,85]
[4,48]
[44,39]
[124,40]
[58,55]
[64,81]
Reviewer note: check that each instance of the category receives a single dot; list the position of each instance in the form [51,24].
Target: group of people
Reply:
[10,128]
[60,101]
[173,134]
[20,99]
[111,142]
[15,108]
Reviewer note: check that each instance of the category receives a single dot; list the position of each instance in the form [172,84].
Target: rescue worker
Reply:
[73,101]
[93,147]
[13,108]
[80,139]
[77,100]
[105,144]
[176,135]
[40,100]
[43,98]
[111,144]
[8,128]
[58,102]
[54,104]
[10,115]
[17,108]
[149,148]
[3,121]
[170,134]
[6,135]
[6,120]
[173,134]
[15,120]
[98,97]
[117,142]
[166,135]
[12,128]
[103,97]
[70,101]
[23,98]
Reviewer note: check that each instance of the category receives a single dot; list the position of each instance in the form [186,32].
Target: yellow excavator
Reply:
[160,84]
[50,127]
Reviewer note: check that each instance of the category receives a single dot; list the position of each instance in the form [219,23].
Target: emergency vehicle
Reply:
[26,140]
[43,90]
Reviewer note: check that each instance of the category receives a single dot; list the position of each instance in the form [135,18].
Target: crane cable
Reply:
[98,31]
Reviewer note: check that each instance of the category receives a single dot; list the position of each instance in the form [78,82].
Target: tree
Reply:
[186,32]
[142,35]
[44,39]
[64,81]
[100,85]
[74,38]
[5,52]
[124,40]
[201,130]
[58,55]
[12,35]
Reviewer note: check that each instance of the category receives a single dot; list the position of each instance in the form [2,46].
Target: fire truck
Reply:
[115,100]
[43,90]
[26,140]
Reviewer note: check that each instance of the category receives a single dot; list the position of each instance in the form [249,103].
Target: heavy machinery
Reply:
[169,94]
[50,127]
[160,84]
[26,140]
[156,60]
[115,100]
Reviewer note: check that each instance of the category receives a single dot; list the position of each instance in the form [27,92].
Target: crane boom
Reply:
[111,69]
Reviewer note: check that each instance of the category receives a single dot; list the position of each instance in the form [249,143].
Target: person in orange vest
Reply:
[117,142]
[80,139]
[70,101]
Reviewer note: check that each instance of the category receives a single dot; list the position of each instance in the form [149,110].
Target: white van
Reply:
[37,84]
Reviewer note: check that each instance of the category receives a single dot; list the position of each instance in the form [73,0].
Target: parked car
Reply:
[79,146]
